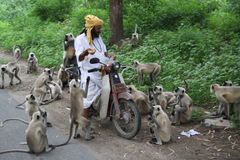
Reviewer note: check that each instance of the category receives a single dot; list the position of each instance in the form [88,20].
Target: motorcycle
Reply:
[121,109]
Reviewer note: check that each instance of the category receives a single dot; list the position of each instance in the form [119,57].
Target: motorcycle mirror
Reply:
[94,60]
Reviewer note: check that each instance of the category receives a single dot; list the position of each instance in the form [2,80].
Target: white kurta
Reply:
[95,85]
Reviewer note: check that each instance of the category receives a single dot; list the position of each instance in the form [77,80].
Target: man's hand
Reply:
[91,50]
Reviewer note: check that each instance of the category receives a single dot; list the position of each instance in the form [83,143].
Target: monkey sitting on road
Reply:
[32,63]
[12,69]
[163,98]
[160,126]
[36,136]
[41,86]
[182,111]
[31,106]
[151,69]
[140,98]
[226,96]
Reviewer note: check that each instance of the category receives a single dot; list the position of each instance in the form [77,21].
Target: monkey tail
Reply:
[49,101]
[12,119]
[186,85]
[158,52]
[69,138]
[21,103]
[15,150]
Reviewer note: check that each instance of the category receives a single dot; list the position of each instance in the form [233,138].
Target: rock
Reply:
[218,123]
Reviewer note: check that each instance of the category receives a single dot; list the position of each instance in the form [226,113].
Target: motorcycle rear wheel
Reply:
[129,123]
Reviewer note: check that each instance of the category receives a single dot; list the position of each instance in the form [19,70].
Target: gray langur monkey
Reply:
[221,108]
[76,99]
[182,111]
[41,86]
[160,126]
[163,98]
[11,69]
[36,137]
[32,63]
[226,96]
[17,52]
[31,106]
[69,56]
[62,77]
[56,92]
[140,98]
[70,59]
[228,83]
[151,69]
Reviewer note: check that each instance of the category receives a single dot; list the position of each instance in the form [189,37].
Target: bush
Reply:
[223,21]
[54,10]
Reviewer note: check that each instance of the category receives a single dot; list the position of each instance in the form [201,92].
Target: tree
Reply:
[116,21]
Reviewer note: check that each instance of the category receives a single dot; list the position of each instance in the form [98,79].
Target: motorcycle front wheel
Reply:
[129,123]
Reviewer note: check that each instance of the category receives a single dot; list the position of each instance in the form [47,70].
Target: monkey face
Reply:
[131,88]
[157,109]
[158,90]
[47,71]
[37,116]
[68,37]
[17,50]
[180,91]
[214,88]
[135,63]
[75,83]
[3,68]
[227,83]
[30,98]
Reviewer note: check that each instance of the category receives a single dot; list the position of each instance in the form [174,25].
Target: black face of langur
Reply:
[49,74]
[180,91]
[227,83]
[158,89]
[32,97]
[130,89]
[135,63]
[3,69]
[68,37]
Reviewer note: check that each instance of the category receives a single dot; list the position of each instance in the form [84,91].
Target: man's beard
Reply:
[94,34]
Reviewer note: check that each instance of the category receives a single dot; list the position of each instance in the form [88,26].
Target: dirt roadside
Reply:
[211,144]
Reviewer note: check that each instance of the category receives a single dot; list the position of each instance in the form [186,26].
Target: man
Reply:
[89,44]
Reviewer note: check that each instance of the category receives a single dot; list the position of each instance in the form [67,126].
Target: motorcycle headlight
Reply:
[116,66]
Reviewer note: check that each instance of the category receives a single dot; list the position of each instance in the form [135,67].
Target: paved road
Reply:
[14,132]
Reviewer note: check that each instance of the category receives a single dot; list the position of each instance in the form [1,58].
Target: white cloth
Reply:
[95,85]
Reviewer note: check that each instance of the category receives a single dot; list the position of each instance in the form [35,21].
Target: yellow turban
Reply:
[90,22]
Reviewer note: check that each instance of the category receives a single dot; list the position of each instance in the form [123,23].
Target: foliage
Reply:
[197,113]
[54,10]
[235,118]
[223,21]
